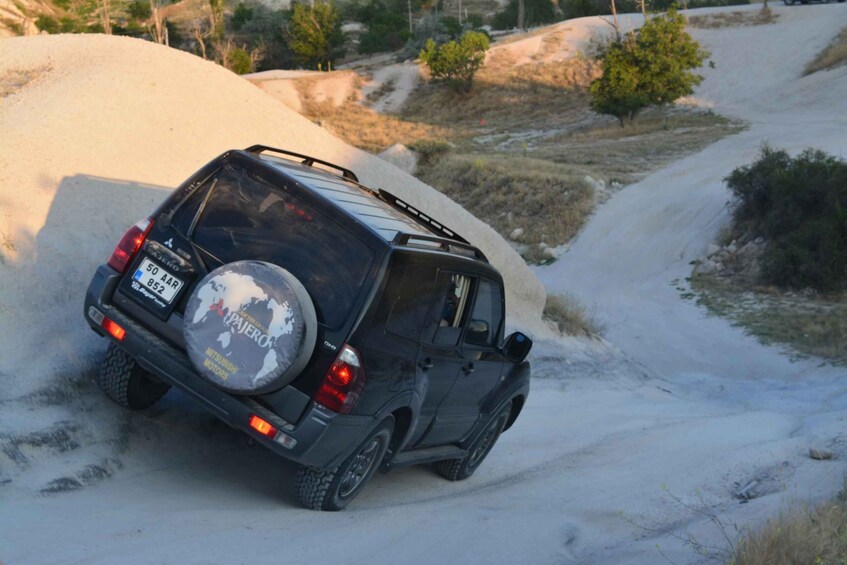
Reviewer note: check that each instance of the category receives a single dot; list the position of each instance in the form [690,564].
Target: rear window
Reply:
[246,218]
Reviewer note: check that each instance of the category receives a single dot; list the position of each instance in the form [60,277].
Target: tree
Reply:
[315,35]
[524,13]
[649,67]
[456,63]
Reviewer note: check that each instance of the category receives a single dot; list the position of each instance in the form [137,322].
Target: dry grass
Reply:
[506,98]
[834,55]
[626,155]
[734,19]
[571,316]
[808,324]
[367,129]
[549,202]
[803,535]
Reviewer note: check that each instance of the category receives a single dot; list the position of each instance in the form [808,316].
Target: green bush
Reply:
[456,63]
[239,62]
[799,205]
[47,23]
[139,10]
[241,15]
[648,67]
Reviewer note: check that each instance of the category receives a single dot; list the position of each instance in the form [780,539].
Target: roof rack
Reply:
[409,210]
[426,241]
[306,160]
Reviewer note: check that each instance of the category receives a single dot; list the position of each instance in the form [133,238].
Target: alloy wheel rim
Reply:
[359,468]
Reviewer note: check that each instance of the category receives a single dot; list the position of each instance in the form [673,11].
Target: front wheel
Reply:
[333,490]
[460,469]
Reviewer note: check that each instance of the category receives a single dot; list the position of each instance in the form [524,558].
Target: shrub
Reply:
[139,10]
[649,67]
[799,205]
[571,316]
[47,23]
[456,63]
[241,16]
[239,62]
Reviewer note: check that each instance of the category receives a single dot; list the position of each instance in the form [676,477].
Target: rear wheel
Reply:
[333,490]
[124,381]
[460,469]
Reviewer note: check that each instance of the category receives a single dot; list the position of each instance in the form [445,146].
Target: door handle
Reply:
[469,368]
[426,364]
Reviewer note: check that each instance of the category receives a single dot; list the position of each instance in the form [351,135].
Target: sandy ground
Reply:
[618,447]
[292,87]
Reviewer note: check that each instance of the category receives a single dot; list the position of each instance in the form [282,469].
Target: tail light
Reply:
[129,245]
[343,382]
[262,426]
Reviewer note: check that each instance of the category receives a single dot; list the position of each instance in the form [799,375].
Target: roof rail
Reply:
[306,160]
[409,210]
[454,247]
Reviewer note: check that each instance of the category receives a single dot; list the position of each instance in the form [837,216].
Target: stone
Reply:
[711,249]
[517,234]
[819,454]
[707,267]
[401,157]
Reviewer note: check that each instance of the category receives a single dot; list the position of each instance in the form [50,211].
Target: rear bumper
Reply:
[321,438]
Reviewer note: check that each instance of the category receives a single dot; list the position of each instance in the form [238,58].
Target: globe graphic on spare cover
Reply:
[243,325]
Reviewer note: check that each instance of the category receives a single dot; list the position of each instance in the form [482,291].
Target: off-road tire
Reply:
[322,490]
[461,469]
[124,381]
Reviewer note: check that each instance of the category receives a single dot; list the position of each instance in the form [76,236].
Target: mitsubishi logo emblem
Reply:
[170,243]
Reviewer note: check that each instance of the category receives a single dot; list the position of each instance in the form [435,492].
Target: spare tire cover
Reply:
[249,327]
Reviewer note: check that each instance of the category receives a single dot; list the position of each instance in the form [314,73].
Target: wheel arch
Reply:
[517,405]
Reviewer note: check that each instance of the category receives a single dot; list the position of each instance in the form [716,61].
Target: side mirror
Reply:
[516,347]
[477,333]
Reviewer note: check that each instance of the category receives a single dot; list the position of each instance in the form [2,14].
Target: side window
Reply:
[409,300]
[487,315]
[450,307]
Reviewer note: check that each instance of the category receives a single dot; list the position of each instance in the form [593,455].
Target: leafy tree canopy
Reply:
[315,35]
[648,67]
[456,63]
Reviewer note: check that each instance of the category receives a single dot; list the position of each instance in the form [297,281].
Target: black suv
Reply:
[337,325]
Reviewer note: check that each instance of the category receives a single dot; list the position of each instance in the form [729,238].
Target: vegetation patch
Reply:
[799,206]
[800,535]
[809,324]
[547,203]
[734,19]
[834,55]
[571,316]
[625,155]
[784,277]
[367,129]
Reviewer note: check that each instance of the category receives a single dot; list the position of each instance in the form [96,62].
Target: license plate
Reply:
[155,279]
